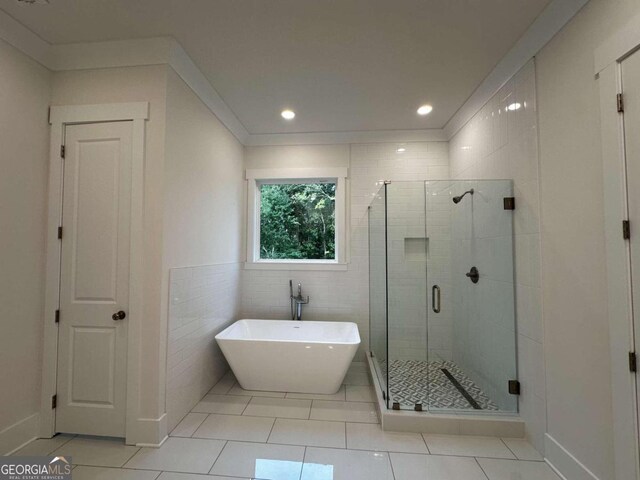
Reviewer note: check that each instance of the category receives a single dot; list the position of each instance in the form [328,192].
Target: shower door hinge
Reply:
[514,387]
[62,151]
[620,103]
[396,406]
[633,362]
[57,317]
[626,229]
[59,233]
[509,203]
[54,402]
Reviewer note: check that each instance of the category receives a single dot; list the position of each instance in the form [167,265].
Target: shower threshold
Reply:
[488,422]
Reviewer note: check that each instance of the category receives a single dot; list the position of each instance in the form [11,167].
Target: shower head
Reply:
[459,197]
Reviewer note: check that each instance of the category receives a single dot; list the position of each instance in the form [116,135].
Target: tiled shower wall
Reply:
[204,300]
[344,295]
[502,144]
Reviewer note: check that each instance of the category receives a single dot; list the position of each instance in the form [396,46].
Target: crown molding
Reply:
[189,72]
[332,138]
[122,53]
[111,54]
[555,16]
[149,51]
[20,37]
[166,50]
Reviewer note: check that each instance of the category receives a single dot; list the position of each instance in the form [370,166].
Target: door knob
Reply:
[119,315]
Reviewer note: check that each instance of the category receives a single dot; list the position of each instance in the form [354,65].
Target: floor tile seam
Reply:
[509,448]
[206,415]
[59,446]
[226,442]
[482,469]
[130,457]
[273,425]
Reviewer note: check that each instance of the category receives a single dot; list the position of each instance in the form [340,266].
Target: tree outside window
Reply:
[297,221]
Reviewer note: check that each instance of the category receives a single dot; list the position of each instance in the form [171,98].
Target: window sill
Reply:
[296,265]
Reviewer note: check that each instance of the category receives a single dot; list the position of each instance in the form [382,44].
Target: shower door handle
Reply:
[435,295]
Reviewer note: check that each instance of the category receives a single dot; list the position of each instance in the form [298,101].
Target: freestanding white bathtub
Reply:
[290,356]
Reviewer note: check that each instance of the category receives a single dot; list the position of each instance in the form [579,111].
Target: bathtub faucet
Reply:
[297,301]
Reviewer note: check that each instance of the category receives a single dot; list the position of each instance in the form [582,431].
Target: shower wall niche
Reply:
[442,295]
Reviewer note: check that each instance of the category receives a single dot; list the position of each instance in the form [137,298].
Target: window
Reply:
[296,219]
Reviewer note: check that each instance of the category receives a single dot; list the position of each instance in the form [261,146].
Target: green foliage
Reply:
[297,221]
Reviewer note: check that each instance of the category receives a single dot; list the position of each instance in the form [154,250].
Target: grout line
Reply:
[195,429]
[304,457]
[425,443]
[218,456]
[478,463]
[55,448]
[509,448]
[247,405]
[271,431]
[393,473]
[129,459]
[346,438]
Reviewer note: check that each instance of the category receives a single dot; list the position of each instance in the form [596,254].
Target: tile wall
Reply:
[204,300]
[499,143]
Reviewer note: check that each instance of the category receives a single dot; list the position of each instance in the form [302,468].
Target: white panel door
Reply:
[94,283]
[631,92]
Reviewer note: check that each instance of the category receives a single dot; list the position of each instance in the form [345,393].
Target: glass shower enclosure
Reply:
[442,311]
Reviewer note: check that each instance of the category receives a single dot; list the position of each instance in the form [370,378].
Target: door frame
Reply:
[622,334]
[59,117]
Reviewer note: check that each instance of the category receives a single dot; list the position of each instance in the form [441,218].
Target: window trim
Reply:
[294,175]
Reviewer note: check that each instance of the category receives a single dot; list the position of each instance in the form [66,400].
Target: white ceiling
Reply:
[342,65]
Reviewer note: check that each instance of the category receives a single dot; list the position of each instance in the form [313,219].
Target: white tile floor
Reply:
[236,434]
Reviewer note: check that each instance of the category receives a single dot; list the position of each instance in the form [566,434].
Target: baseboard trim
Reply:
[564,463]
[148,432]
[16,436]
[153,445]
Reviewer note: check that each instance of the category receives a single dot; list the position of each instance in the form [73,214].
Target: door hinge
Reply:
[54,401]
[60,233]
[626,229]
[509,203]
[633,362]
[63,151]
[57,316]
[514,387]
[620,103]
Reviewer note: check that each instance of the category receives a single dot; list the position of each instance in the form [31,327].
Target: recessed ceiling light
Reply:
[401,149]
[288,114]
[514,106]
[425,110]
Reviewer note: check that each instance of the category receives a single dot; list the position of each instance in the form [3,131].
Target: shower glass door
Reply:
[472,339]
